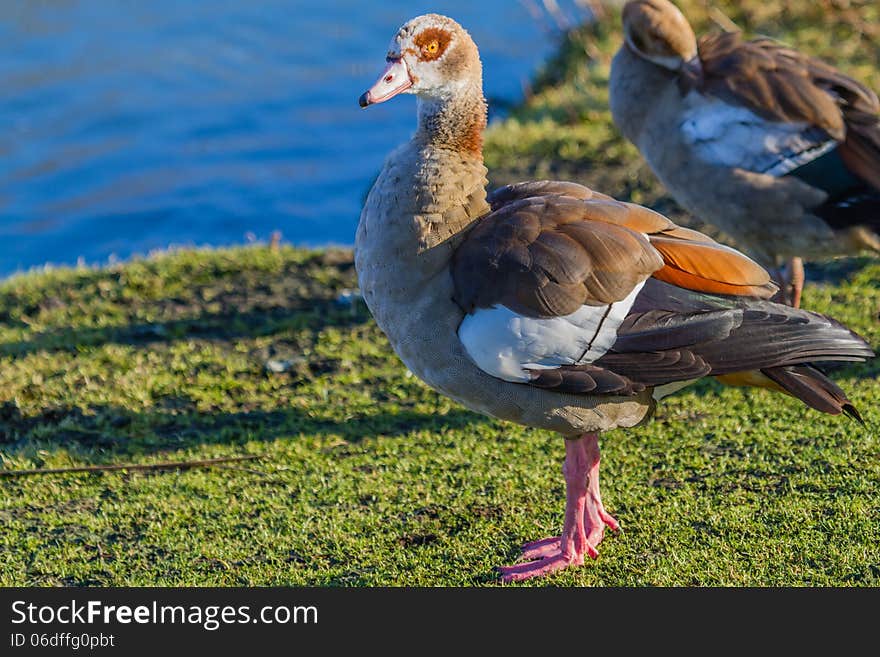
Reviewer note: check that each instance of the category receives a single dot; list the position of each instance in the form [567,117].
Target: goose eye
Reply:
[432,47]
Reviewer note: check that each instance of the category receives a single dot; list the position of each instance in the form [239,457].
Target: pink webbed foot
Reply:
[594,532]
[585,518]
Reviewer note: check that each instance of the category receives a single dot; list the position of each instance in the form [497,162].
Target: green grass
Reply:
[366,476]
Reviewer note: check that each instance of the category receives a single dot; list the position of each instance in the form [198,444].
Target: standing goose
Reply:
[553,306]
[779,150]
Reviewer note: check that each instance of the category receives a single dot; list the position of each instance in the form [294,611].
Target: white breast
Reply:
[506,344]
[732,136]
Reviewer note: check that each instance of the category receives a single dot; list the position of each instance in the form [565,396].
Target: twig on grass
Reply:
[265,475]
[164,465]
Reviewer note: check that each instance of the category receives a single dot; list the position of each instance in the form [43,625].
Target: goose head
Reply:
[657,31]
[431,56]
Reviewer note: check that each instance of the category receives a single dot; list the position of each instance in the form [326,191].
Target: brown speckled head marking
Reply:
[432,43]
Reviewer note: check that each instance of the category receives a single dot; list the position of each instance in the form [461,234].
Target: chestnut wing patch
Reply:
[710,267]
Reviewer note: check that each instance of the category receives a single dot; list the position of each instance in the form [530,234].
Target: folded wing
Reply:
[573,291]
[780,109]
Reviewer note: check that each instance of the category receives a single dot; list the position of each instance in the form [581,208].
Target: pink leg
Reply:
[585,517]
[796,280]
[791,283]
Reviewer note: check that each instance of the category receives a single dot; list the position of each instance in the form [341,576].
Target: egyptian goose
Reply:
[550,305]
[777,149]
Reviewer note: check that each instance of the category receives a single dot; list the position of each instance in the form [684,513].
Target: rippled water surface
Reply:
[130,125]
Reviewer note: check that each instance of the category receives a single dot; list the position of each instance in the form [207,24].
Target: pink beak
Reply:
[394,79]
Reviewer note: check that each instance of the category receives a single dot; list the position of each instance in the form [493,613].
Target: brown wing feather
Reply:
[775,81]
[782,84]
[543,253]
[632,216]
[548,253]
[547,248]
[583,379]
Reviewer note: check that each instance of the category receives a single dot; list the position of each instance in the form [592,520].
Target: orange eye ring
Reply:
[432,47]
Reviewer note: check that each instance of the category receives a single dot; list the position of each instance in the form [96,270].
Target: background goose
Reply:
[551,305]
[778,149]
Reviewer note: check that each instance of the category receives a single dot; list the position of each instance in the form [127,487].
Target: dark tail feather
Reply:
[850,174]
[857,207]
[814,389]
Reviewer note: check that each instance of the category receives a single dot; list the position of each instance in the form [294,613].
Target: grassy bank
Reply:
[564,129]
[366,476]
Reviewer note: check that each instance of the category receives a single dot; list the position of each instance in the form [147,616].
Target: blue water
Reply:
[131,125]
